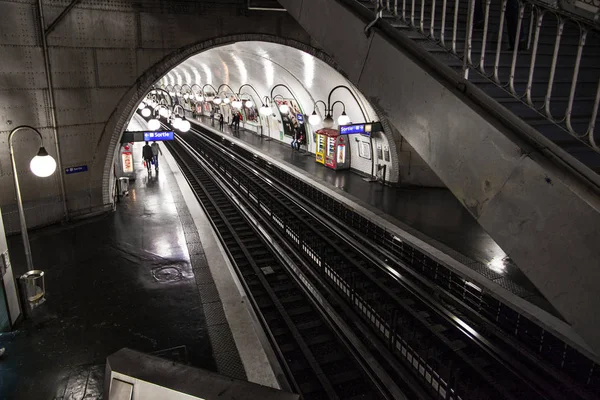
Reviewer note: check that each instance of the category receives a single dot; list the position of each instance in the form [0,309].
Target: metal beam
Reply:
[60,17]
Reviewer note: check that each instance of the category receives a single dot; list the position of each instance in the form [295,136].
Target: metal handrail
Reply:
[532,18]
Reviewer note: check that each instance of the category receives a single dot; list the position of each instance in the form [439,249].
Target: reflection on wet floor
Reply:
[124,279]
[427,213]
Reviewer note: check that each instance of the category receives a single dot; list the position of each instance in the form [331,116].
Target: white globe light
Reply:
[186,96]
[163,112]
[264,110]
[154,124]
[172,94]
[199,98]
[249,103]
[284,109]
[185,126]
[343,119]
[176,122]
[146,112]
[236,104]
[141,106]
[328,122]
[226,100]
[42,165]
[217,100]
[314,119]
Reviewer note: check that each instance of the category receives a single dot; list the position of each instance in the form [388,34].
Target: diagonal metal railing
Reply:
[553,64]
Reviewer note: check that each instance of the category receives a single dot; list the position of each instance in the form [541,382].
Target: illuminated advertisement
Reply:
[127,160]
[341,154]
[289,120]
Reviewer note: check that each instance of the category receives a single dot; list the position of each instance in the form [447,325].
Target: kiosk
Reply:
[333,149]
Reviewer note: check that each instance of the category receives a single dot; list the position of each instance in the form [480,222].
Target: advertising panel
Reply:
[127,160]
[289,120]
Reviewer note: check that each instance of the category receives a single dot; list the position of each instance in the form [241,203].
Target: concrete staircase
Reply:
[586,88]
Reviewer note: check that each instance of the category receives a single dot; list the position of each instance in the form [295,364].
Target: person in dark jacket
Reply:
[221,121]
[147,155]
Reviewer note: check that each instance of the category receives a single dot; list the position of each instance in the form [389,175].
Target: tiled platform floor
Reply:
[135,278]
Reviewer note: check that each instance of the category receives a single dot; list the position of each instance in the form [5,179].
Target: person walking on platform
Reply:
[147,156]
[155,151]
[237,122]
[221,121]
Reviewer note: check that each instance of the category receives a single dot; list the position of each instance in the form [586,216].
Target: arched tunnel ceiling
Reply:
[265,65]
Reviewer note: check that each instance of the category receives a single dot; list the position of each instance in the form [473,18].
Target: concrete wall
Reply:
[538,208]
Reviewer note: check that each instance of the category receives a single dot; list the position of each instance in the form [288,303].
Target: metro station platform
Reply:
[144,277]
[432,215]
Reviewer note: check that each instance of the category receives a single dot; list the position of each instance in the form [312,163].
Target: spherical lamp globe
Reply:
[146,112]
[141,106]
[185,126]
[176,122]
[249,103]
[217,100]
[343,119]
[154,124]
[328,122]
[314,119]
[284,109]
[42,165]
[264,111]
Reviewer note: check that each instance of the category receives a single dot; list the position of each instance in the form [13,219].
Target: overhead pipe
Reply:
[53,119]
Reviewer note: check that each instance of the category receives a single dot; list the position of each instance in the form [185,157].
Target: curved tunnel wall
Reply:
[266,65]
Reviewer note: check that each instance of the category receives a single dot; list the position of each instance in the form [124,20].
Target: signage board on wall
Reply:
[300,118]
[159,136]
[74,170]
[362,129]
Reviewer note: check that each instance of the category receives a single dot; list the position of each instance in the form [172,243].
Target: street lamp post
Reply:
[343,119]
[250,105]
[42,165]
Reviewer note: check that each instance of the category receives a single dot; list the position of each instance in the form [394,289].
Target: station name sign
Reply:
[362,129]
[159,136]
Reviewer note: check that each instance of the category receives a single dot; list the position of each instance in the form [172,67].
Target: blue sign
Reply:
[351,129]
[74,170]
[158,136]
[300,118]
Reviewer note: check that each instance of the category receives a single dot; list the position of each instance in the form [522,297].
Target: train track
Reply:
[317,361]
[435,350]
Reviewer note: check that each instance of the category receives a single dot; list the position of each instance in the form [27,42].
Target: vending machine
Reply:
[337,149]
[320,149]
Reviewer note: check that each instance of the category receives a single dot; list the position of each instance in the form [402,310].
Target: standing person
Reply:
[212,117]
[295,140]
[221,121]
[155,150]
[237,121]
[147,156]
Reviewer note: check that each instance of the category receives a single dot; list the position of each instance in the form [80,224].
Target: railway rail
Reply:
[344,323]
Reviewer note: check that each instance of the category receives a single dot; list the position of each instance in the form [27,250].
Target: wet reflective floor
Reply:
[433,215]
[122,280]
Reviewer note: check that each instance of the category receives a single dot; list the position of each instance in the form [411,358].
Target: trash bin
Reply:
[123,185]
[33,288]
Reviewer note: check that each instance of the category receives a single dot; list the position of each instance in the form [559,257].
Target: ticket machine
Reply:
[336,152]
